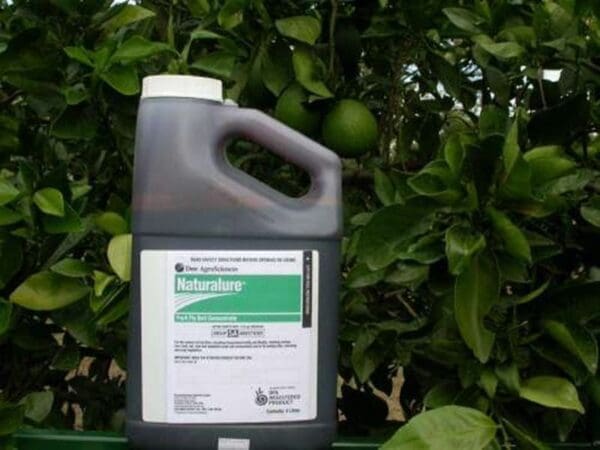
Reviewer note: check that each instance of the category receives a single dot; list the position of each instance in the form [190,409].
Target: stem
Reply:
[332,19]
[11,97]
[398,294]
[410,310]
[540,74]
[505,437]
[170,33]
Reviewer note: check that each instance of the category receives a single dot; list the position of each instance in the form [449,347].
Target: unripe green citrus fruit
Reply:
[350,129]
[291,109]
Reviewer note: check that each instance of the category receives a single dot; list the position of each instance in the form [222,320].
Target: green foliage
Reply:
[443,428]
[551,391]
[472,227]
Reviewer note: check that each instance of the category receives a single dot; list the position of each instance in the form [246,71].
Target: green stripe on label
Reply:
[238,318]
[238,294]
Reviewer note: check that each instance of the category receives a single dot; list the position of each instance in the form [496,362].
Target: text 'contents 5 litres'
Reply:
[235,285]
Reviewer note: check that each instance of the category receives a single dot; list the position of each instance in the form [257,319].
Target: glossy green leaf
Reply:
[69,223]
[76,94]
[562,359]
[425,250]
[198,8]
[232,13]
[448,74]
[512,269]
[553,392]
[8,192]
[200,34]
[590,211]
[454,154]
[105,291]
[114,312]
[137,48]
[119,256]
[73,268]
[11,418]
[384,188]
[508,375]
[45,291]
[218,63]
[101,281]
[112,223]
[517,185]
[524,438]
[462,244]
[444,428]
[391,229]
[123,79]
[511,150]
[476,291]
[492,122]
[464,19]
[50,201]
[575,339]
[81,55]
[301,28]
[9,216]
[489,382]
[310,71]
[362,276]
[79,190]
[501,50]
[78,321]
[400,327]
[437,182]
[515,242]
[533,294]
[521,34]
[565,421]
[548,163]
[408,274]
[442,394]
[276,70]
[38,405]
[127,15]
[575,181]
[365,360]
[499,84]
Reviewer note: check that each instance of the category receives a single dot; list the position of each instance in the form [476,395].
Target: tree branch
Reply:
[332,19]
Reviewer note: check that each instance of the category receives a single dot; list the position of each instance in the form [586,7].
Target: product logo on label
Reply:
[179,267]
[190,289]
[261,398]
[203,286]
[229,298]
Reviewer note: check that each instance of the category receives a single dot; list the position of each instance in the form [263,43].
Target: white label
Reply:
[233,444]
[239,339]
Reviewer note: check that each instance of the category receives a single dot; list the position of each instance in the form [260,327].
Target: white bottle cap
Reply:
[182,86]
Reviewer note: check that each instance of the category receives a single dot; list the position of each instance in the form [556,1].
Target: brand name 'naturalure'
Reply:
[214,285]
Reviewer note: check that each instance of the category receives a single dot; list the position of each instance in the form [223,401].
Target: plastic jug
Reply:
[235,285]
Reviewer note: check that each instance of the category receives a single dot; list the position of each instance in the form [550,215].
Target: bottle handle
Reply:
[323,166]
